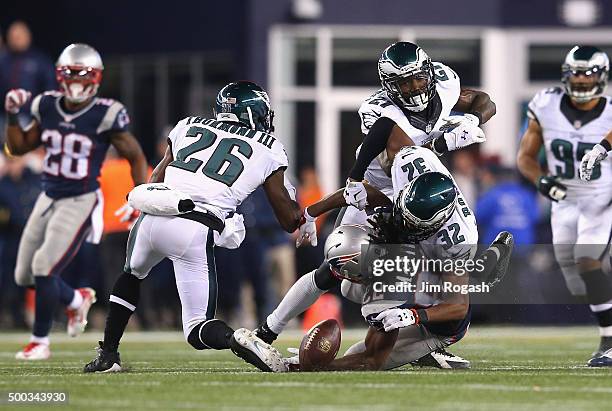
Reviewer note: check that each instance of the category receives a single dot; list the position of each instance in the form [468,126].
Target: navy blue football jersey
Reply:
[75,142]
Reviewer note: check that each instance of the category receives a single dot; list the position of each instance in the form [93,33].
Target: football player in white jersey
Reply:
[569,122]
[218,163]
[430,210]
[411,108]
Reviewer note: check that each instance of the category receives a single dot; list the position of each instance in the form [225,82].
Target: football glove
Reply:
[127,213]
[308,230]
[394,318]
[15,99]
[551,188]
[451,122]
[590,160]
[355,194]
[464,134]
[293,362]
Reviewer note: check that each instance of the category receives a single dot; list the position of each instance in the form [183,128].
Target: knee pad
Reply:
[324,279]
[212,334]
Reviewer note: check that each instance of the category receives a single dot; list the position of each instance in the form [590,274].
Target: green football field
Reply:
[513,368]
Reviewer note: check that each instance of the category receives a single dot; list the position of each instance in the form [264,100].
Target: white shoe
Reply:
[246,345]
[77,318]
[441,358]
[34,351]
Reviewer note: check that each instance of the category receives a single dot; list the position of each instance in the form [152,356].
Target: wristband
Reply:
[421,315]
[606,144]
[12,119]
[307,216]
[439,147]
[478,115]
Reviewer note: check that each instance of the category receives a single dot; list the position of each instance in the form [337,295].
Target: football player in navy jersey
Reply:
[75,128]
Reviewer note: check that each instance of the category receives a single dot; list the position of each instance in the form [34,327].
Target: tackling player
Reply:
[75,128]
[411,108]
[569,122]
[218,163]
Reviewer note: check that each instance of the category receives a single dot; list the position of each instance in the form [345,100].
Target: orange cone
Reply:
[326,307]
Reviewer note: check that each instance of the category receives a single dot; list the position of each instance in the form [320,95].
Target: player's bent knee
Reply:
[23,278]
[212,334]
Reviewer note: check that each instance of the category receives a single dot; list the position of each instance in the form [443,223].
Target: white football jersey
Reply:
[380,105]
[219,163]
[568,134]
[458,237]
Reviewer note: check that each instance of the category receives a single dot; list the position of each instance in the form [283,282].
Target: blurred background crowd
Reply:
[318,60]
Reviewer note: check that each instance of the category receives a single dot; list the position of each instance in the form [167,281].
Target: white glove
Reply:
[127,213]
[451,122]
[590,160]
[15,99]
[308,230]
[396,318]
[465,134]
[355,194]
[294,359]
[233,234]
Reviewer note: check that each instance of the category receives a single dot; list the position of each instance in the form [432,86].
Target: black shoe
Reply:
[265,333]
[601,360]
[503,245]
[442,359]
[106,361]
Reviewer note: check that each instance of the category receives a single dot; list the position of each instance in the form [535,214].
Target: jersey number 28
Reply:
[67,155]
[223,165]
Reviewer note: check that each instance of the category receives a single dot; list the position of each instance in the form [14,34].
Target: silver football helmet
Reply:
[585,73]
[79,72]
[342,250]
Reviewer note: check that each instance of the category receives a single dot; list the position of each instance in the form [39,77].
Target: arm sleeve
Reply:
[374,143]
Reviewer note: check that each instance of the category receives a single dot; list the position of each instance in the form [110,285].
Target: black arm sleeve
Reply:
[373,144]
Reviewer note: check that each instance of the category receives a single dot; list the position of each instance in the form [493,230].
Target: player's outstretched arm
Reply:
[379,345]
[158,174]
[337,199]
[287,211]
[128,147]
[477,103]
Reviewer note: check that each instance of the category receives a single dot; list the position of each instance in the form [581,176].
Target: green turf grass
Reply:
[512,369]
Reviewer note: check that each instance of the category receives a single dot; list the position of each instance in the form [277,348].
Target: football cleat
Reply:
[601,360]
[502,246]
[106,361]
[442,359]
[252,349]
[77,318]
[265,333]
[34,351]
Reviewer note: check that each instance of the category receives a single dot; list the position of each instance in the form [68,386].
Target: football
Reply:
[320,345]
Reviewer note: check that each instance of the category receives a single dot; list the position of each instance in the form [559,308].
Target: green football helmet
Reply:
[425,204]
[247,103]
[591,62]
[397,64]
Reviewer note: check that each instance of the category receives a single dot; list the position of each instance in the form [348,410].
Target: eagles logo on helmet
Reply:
[79,72]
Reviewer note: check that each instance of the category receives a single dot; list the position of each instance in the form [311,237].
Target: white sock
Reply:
[300,296]
[40,340]
[605,331]
[77,300]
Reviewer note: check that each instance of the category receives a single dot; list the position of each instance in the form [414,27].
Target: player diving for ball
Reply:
[217,163]
[574,125]
[76,129]
[430,213]
[411,108]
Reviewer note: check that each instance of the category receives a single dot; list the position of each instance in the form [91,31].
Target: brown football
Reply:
[320,345]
